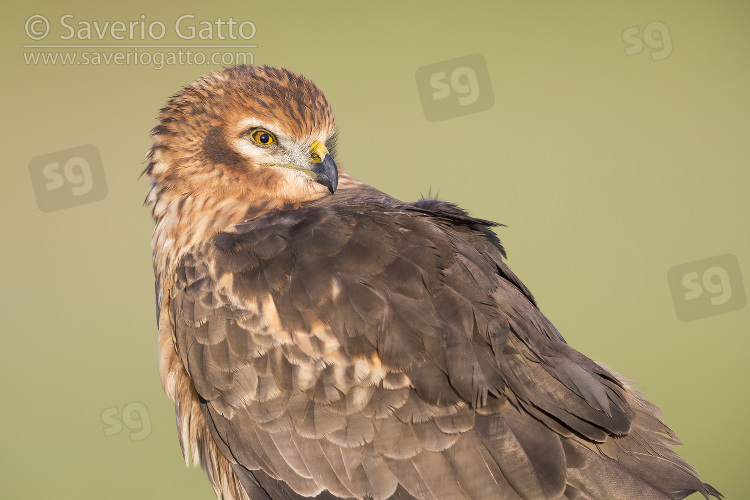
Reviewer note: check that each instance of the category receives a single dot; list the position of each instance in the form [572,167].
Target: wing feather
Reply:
[359,347]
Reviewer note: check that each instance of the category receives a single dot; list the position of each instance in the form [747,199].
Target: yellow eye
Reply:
[262,137]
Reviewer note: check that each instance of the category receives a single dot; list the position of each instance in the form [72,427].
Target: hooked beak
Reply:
[325,169]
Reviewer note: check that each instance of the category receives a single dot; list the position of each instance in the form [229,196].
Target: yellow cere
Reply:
[317,151]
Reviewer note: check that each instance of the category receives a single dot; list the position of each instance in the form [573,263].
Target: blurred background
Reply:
[612,140]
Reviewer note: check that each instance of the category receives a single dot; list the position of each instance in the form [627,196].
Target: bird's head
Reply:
[248,132]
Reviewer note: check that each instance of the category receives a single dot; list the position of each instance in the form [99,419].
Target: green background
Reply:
[608,169]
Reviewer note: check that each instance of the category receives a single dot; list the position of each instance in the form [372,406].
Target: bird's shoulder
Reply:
[417,290]
[343,223]
[383,332]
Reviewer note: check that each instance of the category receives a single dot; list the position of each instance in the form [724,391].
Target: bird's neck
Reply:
[184,221]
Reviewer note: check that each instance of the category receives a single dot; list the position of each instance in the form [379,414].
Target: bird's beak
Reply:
[325,169]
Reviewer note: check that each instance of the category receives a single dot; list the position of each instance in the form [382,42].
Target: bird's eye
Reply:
[262,137]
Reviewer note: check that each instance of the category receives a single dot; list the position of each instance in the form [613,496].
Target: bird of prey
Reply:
[321,339]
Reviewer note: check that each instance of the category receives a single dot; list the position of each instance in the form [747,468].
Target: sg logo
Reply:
[707,287]
[655,35]
[454,88]
[134,416]
[463,81]
[68,178]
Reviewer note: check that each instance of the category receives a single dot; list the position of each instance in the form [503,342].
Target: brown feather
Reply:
[355,346]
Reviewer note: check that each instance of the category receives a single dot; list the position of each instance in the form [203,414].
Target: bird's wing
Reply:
[368,350]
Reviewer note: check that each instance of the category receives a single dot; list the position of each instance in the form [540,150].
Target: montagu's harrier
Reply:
[323,339]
